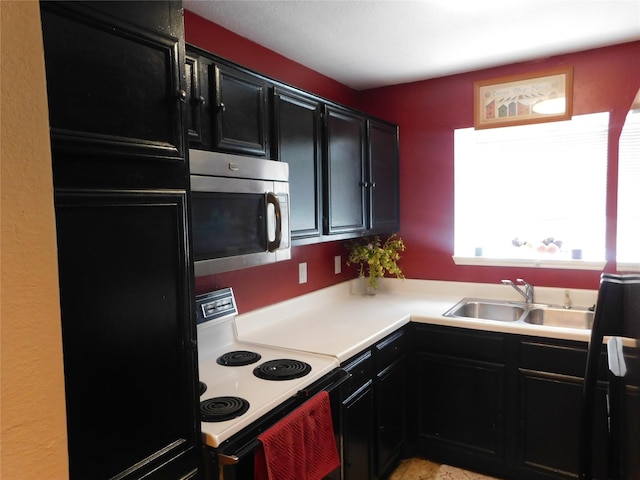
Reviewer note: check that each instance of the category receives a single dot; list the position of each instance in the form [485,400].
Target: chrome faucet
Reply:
[528,289]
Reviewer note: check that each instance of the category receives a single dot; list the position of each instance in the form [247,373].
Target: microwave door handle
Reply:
[272,198]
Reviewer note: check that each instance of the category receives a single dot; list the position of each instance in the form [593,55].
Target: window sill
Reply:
[530,263]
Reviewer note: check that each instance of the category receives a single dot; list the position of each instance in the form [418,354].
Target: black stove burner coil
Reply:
[238,358]
[282,369]
[202,387]
[221,409]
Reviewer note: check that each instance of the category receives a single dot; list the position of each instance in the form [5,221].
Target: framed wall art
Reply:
[542,96]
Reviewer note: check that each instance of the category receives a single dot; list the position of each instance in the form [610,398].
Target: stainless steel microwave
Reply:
[239,211]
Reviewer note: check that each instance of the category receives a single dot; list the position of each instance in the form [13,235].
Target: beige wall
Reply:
[33,428]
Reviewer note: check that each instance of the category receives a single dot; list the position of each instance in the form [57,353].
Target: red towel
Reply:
[301,446]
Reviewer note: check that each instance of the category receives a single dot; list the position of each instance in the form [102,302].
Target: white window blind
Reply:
[532,191]
[628,247]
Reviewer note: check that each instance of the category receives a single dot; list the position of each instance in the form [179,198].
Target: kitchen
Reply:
[614,92]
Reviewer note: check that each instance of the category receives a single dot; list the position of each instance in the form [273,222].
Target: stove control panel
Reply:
[215,305]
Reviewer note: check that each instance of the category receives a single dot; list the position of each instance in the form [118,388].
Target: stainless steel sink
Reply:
[530,313]
[560,317]
[487,310]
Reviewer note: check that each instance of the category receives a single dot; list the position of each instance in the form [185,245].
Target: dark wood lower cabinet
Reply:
[128,337]
[357,412]
[373,411]
[473,392]
[549,382]
[460,386]
[509,405]
[391,402]
[549,423]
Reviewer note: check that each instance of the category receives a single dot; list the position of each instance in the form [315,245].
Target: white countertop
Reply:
[341,321]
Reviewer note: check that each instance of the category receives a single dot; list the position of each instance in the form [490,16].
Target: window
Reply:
[532,194]
[628,248]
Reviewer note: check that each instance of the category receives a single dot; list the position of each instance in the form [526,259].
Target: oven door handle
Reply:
[332,383]
[343,377]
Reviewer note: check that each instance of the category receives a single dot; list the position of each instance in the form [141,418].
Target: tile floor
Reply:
[421,469]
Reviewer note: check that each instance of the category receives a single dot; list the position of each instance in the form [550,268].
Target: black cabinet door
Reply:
[549,423]
[391,408]
[115,84]
[241,120]
[128,335]
[384,177]
[357,434]
[298,142]
[461,406]
[198,124]
[550,381]
[345,200]
[460,385]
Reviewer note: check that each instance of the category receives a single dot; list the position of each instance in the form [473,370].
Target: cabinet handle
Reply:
[201,99]
[373,184]
[221,107]
[182,95]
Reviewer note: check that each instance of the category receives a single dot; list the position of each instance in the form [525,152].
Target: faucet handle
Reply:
[528,289]
[567,300]
[526,284]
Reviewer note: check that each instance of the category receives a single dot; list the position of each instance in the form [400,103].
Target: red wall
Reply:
[427,113]
[226,44]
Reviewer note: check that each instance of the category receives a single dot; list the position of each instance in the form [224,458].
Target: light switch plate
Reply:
[302,272]
[337,264]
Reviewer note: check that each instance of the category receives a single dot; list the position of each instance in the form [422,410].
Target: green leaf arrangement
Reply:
[375,257]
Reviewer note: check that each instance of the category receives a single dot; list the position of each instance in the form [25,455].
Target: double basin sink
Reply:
[531,313]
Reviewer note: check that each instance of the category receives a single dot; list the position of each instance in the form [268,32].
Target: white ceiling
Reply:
[372,43]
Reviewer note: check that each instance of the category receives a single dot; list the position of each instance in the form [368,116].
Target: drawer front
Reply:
[460,342]
[361,370]
[390,349]
[567,358]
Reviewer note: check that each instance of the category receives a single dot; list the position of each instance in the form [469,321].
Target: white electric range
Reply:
[236,398]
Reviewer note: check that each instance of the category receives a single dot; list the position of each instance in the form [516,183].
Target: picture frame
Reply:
[522,99]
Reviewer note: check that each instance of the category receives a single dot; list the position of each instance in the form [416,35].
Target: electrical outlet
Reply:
[337,264]
[302,272]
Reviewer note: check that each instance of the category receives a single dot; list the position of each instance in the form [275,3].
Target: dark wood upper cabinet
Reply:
[384,181]
[297,127]
[115,85]
[240,113]
[197,93]
[362,174]
[345,156]
[343,164]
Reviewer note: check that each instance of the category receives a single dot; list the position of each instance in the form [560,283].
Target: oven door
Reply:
[238,223]
[233,460]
